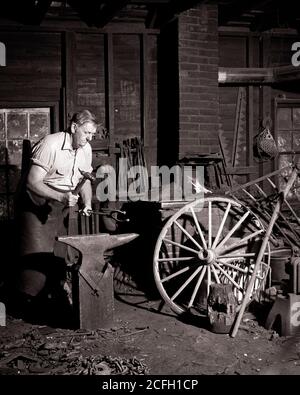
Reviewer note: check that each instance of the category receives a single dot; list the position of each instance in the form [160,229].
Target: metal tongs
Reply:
[111,213]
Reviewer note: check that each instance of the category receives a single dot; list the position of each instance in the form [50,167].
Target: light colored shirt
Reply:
[55,154]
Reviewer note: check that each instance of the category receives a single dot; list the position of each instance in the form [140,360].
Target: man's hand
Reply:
[86,211]
[68,199]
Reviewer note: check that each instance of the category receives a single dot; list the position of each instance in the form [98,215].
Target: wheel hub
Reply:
[206,256]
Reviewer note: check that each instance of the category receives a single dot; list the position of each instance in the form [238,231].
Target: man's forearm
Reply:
[42,190]
[86,194]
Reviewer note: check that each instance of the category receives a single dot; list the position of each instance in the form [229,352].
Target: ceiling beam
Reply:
[169,11]
[237,8]
[97,13]
[30,12]
[110,10]
[40,9]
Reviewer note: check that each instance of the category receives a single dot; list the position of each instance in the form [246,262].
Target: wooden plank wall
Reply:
[33,70]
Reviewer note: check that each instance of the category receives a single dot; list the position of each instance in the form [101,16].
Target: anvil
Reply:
[95,293]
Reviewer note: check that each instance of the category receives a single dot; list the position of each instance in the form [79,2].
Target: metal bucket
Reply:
[280,259]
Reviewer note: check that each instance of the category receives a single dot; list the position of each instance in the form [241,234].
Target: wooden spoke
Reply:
[215,274]
[232,266]
[188,235]
[185,269]
[180,245]
[186,283]
[198,228]
[209,225]
[241,242]
[179,259]
[208,279]
[231,232]
[229,278]
[233,256]
[191,302]
[220,230]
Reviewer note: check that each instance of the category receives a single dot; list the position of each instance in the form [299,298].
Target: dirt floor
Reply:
[146,338]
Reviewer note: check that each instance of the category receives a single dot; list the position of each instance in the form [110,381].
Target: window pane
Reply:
[15,148]
[296,117]
[284,118]
[17,125]
[39,126]
[296,141]
[284,141]
[3,154]
[2,126]
[288,160]
[284,160]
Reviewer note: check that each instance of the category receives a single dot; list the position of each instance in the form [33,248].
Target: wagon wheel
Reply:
[210,240]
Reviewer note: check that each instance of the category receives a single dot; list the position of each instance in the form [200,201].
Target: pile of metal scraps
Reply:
[98,365]
[46,351]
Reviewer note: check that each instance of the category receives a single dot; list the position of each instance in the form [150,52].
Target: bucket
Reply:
[279,261]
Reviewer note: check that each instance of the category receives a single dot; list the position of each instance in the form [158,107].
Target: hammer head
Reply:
[87,175]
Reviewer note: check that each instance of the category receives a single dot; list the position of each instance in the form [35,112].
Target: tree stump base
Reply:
[221,308]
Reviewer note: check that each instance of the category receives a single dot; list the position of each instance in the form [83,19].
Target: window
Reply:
[288,140]
[17,125]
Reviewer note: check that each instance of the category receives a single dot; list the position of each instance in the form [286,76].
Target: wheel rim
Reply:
[211,240]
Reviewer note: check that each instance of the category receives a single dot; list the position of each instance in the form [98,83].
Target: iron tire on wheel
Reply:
[210,240]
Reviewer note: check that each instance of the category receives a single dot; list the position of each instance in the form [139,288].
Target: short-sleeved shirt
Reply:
[55,154]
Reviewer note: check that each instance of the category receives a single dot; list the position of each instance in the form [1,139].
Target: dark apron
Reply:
[38,226]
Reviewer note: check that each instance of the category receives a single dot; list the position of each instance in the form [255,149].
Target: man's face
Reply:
[82,134]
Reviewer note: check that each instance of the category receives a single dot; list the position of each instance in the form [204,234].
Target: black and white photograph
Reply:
[149,191]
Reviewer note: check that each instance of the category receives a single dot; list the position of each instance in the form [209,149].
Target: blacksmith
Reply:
[57,163]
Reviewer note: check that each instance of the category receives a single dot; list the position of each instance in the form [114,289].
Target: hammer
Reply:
[72,221]
[86,176]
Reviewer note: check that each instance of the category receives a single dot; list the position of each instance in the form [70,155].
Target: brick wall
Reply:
[198,81]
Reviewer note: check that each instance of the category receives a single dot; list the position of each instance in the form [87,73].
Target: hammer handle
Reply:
[79,186]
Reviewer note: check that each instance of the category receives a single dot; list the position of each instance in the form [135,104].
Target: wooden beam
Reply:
[109,87]
[240,170]
[147,2]
[144,89]
[97,13]
[167,12]
[68,70]
[251,75]
[30,12]
[286,74]
[40,9]
[61,27]
[110,10]
[250,108]
[258,75]
[234,10]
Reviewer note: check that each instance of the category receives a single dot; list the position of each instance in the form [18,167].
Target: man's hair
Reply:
[82,117]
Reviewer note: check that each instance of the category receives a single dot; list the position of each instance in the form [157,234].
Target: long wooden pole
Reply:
[282,196]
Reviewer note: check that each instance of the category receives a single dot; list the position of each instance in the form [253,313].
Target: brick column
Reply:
[198,59]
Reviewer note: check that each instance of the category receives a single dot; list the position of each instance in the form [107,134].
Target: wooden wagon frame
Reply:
[225,239]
